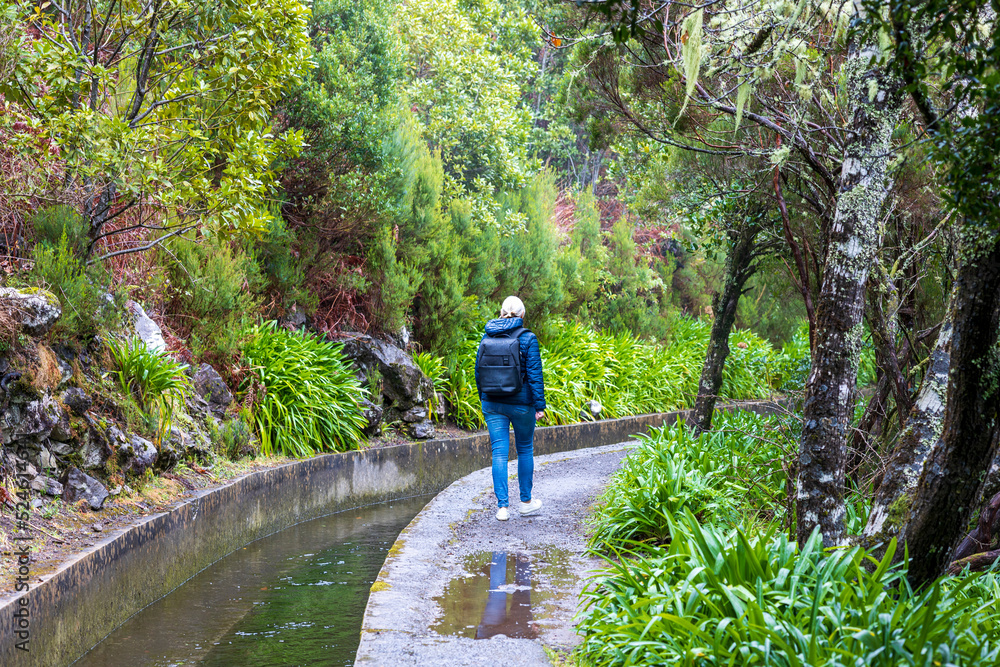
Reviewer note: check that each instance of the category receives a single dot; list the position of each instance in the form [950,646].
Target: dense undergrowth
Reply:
[627,375]
[307,394]
[701,571]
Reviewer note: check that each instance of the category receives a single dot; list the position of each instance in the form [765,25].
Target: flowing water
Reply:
[294,598]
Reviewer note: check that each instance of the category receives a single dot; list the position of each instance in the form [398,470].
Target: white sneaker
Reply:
[530,507]
[503,514]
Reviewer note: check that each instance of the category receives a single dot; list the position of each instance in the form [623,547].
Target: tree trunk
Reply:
[991,486]
[875,108]
[890,509]
[739,267]
[981,539]
[951,481]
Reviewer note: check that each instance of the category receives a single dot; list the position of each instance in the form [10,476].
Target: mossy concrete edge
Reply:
[86,598]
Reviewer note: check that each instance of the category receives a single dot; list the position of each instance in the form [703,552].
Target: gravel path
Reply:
[457,573]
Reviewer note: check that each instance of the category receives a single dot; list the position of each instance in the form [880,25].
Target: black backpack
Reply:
[498,364]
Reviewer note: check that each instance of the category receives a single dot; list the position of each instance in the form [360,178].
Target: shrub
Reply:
[721,475]
[281,266]
[717,595]
[152,378]
[310,400]
[626,375]
[211,285]
[433,367]
[234,438]
[86,309]
[791,366]
[52,223]
[463,397]
[729,597]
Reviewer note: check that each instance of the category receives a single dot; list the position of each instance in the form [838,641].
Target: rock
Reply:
[373,417]
[60,448]
[403,336]
[37,418]
[135,455]
[19,389]
[146,329]
[415,414]
[170,452]
[47,485]
[11,418]
[403,383]
[422,430]
[63,429]
[591,411]
[47,460]
[209,385]
[80,486]
[190,438]
[196,405]
[26,468]
[77,401]
[441,407]
[97,528]
[96,449]
[36,503]
[36,310]
[66,372]
[295,319]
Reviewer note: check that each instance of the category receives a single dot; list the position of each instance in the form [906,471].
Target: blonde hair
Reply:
[512,307]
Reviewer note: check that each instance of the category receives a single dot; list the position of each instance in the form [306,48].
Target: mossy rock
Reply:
[51,298]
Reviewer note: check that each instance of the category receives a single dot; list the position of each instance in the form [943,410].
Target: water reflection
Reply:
[501,594]
[499,618]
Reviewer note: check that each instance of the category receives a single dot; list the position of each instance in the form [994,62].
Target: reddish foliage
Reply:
[564,214]
[29,166]
[342,307]
[651,241]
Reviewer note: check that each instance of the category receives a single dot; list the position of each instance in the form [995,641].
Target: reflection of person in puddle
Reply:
[497,620]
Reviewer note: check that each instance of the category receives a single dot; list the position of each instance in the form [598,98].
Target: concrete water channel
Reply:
[294,598]
[75,607]
[456,576]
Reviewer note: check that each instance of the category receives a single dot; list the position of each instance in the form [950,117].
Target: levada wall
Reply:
[85,599]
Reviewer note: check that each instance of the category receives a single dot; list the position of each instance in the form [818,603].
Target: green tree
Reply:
[529,265]
[163,107]
[341,184]
[466,61]
[583,260]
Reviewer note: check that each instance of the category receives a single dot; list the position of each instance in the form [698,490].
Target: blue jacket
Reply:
[532,385]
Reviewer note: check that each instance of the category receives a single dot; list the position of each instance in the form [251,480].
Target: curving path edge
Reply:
[443,569]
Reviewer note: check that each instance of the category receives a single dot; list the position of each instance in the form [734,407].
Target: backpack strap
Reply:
[515,333]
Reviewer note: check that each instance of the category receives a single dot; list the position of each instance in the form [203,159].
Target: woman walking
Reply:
[512,394]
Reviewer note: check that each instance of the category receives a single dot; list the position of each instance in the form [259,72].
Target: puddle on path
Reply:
[504,593]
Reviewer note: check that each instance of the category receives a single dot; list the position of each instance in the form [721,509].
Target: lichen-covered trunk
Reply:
[953,473]
[890,509]
[875,108]
[739,268]
[991,486]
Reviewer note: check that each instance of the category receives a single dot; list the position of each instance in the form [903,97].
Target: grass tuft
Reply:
[310,398]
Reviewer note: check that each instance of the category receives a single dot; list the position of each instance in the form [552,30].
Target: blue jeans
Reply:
[499,418]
